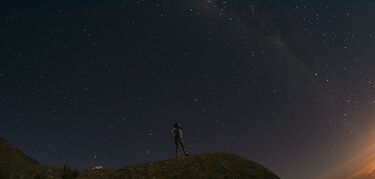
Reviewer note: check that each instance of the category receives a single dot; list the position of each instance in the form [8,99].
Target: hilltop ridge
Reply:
[208,165]
[15,164]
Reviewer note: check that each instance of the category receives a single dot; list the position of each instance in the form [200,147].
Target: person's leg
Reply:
[183,146]
[177,147]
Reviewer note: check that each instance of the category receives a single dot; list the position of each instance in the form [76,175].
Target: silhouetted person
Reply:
[176,132]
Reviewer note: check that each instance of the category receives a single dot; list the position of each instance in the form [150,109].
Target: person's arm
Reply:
[172,132]
[180,132]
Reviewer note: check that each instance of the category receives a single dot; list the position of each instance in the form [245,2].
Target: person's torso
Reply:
[178,132]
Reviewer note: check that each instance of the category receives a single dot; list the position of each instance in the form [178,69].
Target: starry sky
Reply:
[288,84]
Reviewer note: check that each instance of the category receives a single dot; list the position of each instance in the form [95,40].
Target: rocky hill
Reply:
[15,164]
[11,157]
[209,165]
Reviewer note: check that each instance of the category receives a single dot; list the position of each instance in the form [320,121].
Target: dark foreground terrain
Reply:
[15,164]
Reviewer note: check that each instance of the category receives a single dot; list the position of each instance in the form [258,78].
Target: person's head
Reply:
[177,125]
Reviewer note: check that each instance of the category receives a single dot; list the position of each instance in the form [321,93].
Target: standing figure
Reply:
[176,132]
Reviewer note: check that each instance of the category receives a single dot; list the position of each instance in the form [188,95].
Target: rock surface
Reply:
[209,165]
[15,164]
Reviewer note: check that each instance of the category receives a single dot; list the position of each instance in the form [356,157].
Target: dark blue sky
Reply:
[287,84]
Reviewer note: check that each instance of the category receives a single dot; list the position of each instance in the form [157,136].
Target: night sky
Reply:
[288,84]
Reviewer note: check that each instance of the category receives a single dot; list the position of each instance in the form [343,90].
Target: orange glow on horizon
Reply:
[363,164]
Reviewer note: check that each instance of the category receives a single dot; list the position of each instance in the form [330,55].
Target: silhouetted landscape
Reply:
[15,164]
